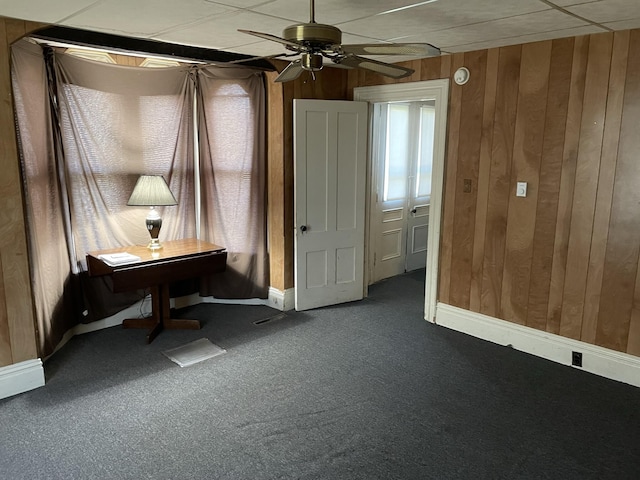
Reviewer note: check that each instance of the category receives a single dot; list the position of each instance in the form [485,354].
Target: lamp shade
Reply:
[151,191]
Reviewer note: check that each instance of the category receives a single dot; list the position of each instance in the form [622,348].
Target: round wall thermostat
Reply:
[461,76]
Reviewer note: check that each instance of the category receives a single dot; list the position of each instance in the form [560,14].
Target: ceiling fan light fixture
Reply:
[311,61]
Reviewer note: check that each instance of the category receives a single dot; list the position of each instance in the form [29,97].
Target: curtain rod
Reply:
[130,45]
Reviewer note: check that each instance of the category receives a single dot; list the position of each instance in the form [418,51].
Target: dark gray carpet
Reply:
[367,390]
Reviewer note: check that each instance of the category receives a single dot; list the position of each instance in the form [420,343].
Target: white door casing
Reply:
[437,90]
[330,141]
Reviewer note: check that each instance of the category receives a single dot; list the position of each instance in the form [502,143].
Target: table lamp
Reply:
[152,191]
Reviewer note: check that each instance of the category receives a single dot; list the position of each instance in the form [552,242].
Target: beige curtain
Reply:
[118,122]
[232,178]
[56,301]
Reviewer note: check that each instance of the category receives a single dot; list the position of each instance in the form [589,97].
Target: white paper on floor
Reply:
[194,352]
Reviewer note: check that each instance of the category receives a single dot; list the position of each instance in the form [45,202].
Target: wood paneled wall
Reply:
[17,324]
[563,116]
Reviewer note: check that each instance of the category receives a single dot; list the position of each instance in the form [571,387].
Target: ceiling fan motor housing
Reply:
[313,35]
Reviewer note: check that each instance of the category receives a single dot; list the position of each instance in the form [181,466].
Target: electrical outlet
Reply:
[576,359]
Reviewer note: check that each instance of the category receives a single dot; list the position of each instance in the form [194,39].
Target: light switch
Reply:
[521,189]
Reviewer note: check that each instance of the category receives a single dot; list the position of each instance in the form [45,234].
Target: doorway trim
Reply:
[437,90]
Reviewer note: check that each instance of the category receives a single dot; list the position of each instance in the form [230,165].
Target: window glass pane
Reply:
[425,158]
[397,152]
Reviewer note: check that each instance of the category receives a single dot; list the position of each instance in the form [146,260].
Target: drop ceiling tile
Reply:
[257,49]
[535,37]
[607,10]
[239,3]
[42,10]
[624,24]
[440,15]
[332,12]
[502,31]
[221,32]
[143,17]
[566,3]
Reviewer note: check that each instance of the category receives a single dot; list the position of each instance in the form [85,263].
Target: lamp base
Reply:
[154,244]
[154,223]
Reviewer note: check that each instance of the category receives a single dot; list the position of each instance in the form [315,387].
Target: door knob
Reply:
[303,228]
[414,210]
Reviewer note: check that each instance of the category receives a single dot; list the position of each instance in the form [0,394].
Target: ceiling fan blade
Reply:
[273,38]
[291,72]
[386,69]
[263,57]
[418,49]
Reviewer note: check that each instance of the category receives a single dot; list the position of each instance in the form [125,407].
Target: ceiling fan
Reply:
[313,41]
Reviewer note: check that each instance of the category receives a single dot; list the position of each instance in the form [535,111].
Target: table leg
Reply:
[174,323]
[160,315]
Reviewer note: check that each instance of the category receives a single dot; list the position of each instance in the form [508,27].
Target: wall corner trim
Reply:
[282,300]
[601,361]
[21,377]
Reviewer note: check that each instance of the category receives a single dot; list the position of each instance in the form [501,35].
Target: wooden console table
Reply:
[177,260]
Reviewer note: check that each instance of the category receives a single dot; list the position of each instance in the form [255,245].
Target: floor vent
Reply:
[270,319]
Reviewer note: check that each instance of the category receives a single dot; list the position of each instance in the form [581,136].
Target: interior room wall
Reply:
[562,116]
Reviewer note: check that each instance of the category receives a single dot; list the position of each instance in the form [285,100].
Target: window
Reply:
[408,149]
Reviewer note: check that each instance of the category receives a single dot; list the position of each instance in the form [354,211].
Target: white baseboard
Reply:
[598,360]
[21,377]
[195,299]
[138,309]
[133,311]
[282,300]
[277,299]
[143,308]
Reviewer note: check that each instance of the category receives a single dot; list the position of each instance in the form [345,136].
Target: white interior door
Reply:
[403,145]
[330,141]
[419,185]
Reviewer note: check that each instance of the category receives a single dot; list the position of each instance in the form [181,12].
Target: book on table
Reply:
[122,258]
